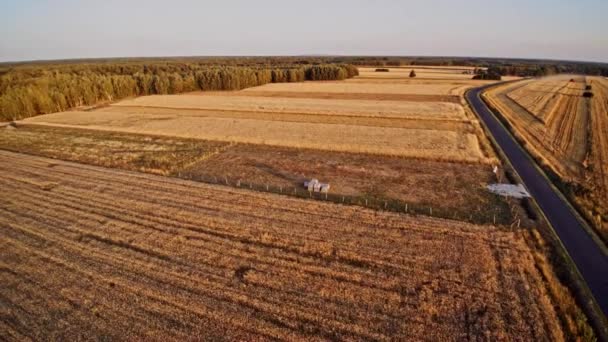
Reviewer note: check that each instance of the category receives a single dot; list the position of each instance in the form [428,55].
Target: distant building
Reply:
[314,185]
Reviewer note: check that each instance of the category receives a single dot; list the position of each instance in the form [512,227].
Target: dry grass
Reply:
[597,160]
[567,132]
[453,190]
[144,153]
[457,189]
[419,143]
[114,255]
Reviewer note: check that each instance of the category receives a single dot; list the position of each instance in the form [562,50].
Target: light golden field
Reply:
[567,131]
[419,143]
[128,256]
[419,88]
[422,72]
[395,109]
[553,115]
[420,118]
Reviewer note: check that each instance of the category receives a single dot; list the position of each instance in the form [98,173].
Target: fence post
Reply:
[266,187]
[431,210]
[366,202]
[406,207]
[281,189]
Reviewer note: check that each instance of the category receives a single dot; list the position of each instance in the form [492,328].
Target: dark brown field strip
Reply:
[347,96]
[184,189]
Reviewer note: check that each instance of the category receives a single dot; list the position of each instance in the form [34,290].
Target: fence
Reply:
[503,212]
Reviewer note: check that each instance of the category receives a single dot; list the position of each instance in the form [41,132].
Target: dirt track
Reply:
[100,253]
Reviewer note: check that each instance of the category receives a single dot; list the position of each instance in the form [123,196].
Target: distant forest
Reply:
[511,67]
[28,89]
[32,88]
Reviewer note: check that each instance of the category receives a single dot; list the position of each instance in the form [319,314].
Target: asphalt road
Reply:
[590,260]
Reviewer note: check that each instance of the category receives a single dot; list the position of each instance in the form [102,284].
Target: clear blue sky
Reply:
[558,29]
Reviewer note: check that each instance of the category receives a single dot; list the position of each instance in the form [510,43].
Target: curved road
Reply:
[590,260]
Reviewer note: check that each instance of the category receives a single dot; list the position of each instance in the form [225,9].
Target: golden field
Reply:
[387,87]
[419,143]
[420,119]
[396,109]
[99,252]
[566,131]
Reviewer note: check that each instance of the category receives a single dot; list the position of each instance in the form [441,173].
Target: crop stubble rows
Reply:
[568,131]
[420,119]
[120,254]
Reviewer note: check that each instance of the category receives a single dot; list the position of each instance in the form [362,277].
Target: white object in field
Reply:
[316,186]
[495,169]
[509,190]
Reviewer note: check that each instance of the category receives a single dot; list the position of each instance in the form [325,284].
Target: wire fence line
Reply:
[503,213]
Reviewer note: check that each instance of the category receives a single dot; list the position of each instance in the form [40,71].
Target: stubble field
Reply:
[423,118]
[567,131]
[113,254]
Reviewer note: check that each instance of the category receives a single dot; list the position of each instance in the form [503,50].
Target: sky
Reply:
[59,29]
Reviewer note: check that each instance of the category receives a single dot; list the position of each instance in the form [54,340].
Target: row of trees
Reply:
[517,67]
[28,91]
[492,73]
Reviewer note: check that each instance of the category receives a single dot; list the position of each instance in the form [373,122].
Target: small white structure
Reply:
[314,185]
[509,190]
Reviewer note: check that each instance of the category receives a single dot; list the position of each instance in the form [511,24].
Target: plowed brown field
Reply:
[89,252]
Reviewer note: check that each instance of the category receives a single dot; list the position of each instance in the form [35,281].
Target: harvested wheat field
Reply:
[419,88]
[421,143]
[422,119]
[552,115]
[566,131]
[119,255]
[396,109]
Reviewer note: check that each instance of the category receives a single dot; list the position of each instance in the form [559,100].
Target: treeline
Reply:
[491,73]
[504,66]
[29,90]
